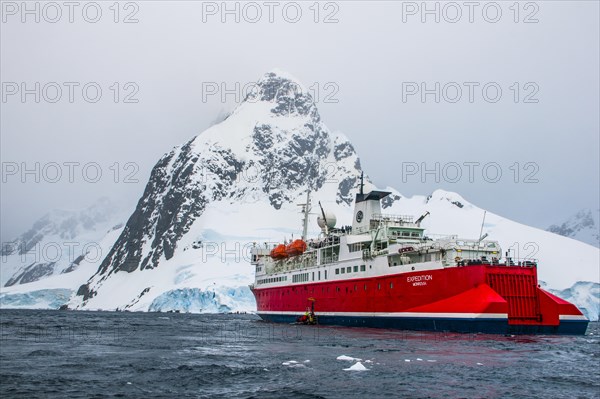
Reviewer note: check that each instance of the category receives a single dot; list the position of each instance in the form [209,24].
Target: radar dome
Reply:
[331,219]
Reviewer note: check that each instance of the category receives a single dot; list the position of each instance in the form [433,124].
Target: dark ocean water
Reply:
[142,355]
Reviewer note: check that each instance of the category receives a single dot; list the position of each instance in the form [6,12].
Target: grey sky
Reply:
[362,66]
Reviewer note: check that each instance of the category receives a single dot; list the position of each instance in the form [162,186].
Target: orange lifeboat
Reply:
[297,247]
[279,252]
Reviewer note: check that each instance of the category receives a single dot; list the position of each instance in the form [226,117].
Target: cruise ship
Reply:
[384,271]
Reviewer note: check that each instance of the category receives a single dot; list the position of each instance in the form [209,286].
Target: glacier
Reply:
[39,299]
[194,300]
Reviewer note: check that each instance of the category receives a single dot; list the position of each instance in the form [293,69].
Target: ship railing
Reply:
[329,259]
[523,262]
[383,217]
[441,236]
[303,261]
[519,262]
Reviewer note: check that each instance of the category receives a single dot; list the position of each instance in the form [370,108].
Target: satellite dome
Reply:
[329,217]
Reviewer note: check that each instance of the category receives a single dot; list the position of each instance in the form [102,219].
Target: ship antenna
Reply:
[305,219]
[482,223]
[481,236]
[361,182]
[324,218]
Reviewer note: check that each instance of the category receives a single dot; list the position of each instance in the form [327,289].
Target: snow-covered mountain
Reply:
[583,226]
[256,164]
[186,246]
[58,243]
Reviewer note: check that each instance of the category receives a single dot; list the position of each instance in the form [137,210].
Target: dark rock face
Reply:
[172,200]
[343,150]
[74,264]
[286,95]
[31,273]
[389,200]
[457,203]
[344,188]
[85,292]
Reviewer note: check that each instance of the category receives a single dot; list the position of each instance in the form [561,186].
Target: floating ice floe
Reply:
[431,360]
[407,360]
[293,363]
[358,366]
[289,362]
[419,359]
[307,361]
[348,358]
[480,364]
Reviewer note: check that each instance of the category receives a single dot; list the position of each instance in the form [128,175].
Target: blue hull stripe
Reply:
[478,325]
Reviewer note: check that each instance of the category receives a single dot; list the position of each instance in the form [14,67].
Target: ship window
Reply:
[365,287]
[414,234]
[348,269]
[355,287]
[343,270]
[325,274]
[313,276]
[337,271]
[355,269]
[378,286]
[362,268]
[355,247]
[337,289]
[319,275]
[391,285]
[405,234]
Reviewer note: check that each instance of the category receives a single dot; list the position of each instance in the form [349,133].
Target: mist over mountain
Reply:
[583,226]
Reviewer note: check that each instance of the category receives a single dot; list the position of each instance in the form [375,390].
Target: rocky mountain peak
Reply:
[287,95]
[271,148]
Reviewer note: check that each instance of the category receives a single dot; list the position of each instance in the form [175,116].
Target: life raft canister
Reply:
[279,252]
[297,247]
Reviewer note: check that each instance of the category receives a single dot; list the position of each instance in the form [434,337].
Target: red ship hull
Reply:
[480,298]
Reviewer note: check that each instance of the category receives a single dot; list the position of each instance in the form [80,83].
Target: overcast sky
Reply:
[368,63]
